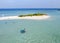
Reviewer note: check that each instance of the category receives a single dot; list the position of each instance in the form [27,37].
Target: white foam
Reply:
[27,17]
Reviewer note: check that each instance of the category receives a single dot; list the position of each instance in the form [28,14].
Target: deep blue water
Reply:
[37,31]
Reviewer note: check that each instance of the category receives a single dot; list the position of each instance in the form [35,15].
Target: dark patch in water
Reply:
[56,38]
[5,22]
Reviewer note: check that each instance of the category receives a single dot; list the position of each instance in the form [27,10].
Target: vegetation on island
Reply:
[35,14]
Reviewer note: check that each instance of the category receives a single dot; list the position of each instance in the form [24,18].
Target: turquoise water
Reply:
[37,31]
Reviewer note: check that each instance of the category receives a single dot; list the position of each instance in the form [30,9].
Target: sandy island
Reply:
[27,17]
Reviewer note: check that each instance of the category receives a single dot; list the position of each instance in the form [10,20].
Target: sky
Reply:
[29,3]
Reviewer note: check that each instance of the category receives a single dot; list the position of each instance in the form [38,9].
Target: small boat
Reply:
[22,31]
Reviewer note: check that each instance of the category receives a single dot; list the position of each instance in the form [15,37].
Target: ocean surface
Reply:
[37,31]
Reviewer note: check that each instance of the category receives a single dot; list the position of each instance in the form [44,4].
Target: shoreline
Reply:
[27,17]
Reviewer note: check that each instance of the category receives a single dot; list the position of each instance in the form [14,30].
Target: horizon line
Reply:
[30,8]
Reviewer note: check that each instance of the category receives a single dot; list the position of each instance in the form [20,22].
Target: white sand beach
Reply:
[27,17]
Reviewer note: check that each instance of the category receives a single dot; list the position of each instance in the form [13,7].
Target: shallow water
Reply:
[37,31]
